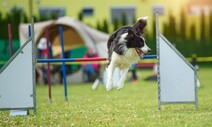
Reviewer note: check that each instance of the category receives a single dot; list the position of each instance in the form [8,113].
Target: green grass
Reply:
[135,105]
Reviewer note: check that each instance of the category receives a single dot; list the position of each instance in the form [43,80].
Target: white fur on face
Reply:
[145,48]
[122,38]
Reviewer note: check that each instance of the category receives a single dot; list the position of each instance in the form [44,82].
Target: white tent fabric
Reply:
[92,38]
[38,27]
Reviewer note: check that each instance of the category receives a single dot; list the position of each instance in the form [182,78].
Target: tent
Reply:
[75,34]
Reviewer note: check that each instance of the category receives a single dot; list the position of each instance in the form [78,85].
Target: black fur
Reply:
[139,26]
[132,40]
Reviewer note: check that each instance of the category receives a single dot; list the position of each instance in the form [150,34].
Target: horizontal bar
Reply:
[150,57]
[70,60]
[83,59]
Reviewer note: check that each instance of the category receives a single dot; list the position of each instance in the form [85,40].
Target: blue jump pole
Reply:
[63,65]
[84,59]
[29,31]
[150,57]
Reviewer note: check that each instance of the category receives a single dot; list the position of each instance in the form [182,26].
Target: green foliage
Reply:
[105,26]
[115,24]
[134,106]
[98,26]
[188,45]
[43,17]
[14,17]
[193,32]
[210,26]
[53,15]
[25,19]
[5,50]
[134,19]
[172,32]
[165,29]
[123,19]
[182,24]
[202,26]
[80,16]
[154,28]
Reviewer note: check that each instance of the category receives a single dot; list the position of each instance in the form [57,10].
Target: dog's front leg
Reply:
[123,74]
[110,71]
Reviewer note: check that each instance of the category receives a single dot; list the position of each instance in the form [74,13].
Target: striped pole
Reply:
[10,39]
[63,65]
[84,59]
[48,64]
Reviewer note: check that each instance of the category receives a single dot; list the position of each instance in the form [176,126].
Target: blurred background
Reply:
[186,23]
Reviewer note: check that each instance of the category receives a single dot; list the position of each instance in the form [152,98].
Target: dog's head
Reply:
[124,38]
[129,39]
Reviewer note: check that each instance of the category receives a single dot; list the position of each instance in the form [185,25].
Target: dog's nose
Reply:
[149,50]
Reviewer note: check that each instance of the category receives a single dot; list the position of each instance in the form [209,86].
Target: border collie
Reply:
[125,47]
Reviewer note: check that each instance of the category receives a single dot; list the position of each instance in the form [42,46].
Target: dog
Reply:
[125,47]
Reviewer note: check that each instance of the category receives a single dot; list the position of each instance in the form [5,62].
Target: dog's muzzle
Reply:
[139,52]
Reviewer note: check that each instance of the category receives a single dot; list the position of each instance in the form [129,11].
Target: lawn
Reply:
[135,105]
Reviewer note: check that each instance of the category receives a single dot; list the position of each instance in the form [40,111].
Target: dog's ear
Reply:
[111,38]
[140,24]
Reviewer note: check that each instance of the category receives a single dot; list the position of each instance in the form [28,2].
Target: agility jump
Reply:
[176,76]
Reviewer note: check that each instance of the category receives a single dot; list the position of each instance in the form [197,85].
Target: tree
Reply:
[25,19]
[202,26]
[182,24]
[123,19]
[154,27]
[210,26]
[165,29]
[43,17]
[80,16]
[172,26]
[98,26]
[115,24]
[54,15]
[105,26]
[193,32]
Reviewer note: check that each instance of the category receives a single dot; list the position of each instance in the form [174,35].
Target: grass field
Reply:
[135,105]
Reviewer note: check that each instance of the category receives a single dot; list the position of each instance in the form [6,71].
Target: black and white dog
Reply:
[125,47]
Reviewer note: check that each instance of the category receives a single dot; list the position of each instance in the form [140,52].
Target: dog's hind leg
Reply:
[110,71]
[123,74]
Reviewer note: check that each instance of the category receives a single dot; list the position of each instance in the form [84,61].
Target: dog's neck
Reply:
[131,53]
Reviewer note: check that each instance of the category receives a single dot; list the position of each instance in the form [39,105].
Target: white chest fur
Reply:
[124,61]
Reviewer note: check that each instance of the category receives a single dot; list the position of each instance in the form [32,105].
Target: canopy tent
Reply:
[75,34]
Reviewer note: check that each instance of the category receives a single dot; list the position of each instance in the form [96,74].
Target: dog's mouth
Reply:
[139,52]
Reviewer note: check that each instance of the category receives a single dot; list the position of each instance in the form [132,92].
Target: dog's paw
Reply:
[119,88]
[108,88]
